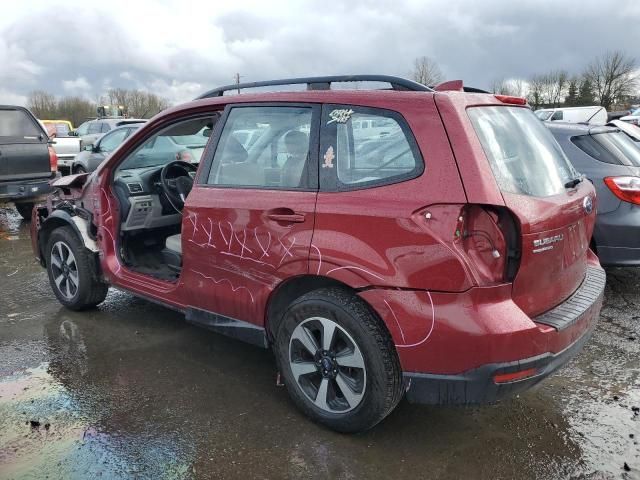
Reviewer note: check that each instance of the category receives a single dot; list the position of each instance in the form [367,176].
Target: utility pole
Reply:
[237,78]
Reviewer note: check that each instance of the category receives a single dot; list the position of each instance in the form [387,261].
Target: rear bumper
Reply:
[479,385]
[28,190]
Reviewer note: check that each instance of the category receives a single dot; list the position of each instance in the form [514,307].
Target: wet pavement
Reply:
[130,390]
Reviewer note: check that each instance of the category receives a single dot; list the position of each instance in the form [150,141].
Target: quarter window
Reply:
[368,147]
[265,147]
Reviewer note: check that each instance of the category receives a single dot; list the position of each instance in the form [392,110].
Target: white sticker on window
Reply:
[340,116]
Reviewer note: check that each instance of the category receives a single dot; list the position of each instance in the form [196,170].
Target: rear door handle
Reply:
[287,217]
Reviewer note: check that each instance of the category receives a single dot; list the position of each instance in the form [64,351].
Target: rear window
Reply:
[524,156]
[613,147]
[17,123]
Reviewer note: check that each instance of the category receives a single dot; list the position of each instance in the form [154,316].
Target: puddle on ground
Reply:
[44,429]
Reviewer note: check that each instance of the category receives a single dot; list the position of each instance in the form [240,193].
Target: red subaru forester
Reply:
[401,241]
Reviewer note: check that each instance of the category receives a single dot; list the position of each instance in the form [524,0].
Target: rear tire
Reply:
[24,209]
[72,271]
[353,379]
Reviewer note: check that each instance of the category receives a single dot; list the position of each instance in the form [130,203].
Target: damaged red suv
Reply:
[403,241]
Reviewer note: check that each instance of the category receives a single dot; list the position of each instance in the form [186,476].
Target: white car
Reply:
[633,118]
[592,115]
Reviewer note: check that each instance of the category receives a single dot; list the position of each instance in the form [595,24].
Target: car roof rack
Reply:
[323,83]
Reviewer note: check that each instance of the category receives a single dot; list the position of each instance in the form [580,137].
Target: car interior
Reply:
[153,182]
[151,185]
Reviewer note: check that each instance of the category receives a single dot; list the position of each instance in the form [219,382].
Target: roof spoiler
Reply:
[456,86]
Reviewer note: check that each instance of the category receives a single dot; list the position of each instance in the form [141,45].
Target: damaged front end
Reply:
[72,203]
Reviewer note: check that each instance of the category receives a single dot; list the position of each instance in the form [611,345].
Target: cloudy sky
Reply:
[178,49]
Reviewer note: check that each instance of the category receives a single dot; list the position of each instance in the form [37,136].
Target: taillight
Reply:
[489,239]
[626,189]
[185,156]
[53,160]
[511,100]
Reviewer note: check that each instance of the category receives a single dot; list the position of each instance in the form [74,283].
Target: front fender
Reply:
[62,218]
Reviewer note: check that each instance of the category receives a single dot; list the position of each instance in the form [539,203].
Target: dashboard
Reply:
[144,206]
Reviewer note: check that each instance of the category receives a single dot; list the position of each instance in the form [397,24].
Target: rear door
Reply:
[555,210]
[24,152]
[249,219]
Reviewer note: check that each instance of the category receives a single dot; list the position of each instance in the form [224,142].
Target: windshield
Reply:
[544,115]
[621,147]
[524,156]
[177,142]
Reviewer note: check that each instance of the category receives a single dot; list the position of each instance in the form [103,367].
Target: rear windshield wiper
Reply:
[573,183]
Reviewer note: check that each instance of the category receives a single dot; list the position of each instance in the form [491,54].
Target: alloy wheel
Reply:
[327,365]
[64,270]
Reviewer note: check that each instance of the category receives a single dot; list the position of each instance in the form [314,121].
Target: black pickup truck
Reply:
[27,161]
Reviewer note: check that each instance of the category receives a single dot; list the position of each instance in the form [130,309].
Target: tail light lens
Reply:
[53,160]
[626,189]
[489,239]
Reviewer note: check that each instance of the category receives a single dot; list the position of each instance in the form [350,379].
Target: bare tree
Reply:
[75,109]
[426,71]
[612,77]
[42,104]
[137,103]
[515,87]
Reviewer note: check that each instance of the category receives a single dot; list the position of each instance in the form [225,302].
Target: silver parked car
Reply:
[91,130]
[610,159]
[93,155]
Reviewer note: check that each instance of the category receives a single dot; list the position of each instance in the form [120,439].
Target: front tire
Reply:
[338,361]
[72,272]
[24,209]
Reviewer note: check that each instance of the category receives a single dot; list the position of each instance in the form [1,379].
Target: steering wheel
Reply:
[177,182]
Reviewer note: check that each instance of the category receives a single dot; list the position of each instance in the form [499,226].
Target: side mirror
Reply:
[95,148]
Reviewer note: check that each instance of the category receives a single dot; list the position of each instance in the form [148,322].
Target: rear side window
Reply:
[366,147]
[614,147]
[524,156]
[18,124]
[95,127]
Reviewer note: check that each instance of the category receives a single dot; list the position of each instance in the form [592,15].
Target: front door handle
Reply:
[286,215]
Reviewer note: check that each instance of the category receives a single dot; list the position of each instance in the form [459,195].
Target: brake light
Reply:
[53,160]
[511,100]
[488,237]
[185,156]
[626,189]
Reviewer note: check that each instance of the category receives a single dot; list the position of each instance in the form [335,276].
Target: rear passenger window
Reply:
[18,124]
[95,127]
[367,147]
[265,147]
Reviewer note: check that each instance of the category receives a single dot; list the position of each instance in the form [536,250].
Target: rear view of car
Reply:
[27,161]
[611,160]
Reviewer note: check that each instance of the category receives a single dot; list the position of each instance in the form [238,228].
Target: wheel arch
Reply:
[61,218]
[289,290]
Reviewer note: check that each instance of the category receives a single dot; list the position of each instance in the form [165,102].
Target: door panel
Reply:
[248,223]
[234,255]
